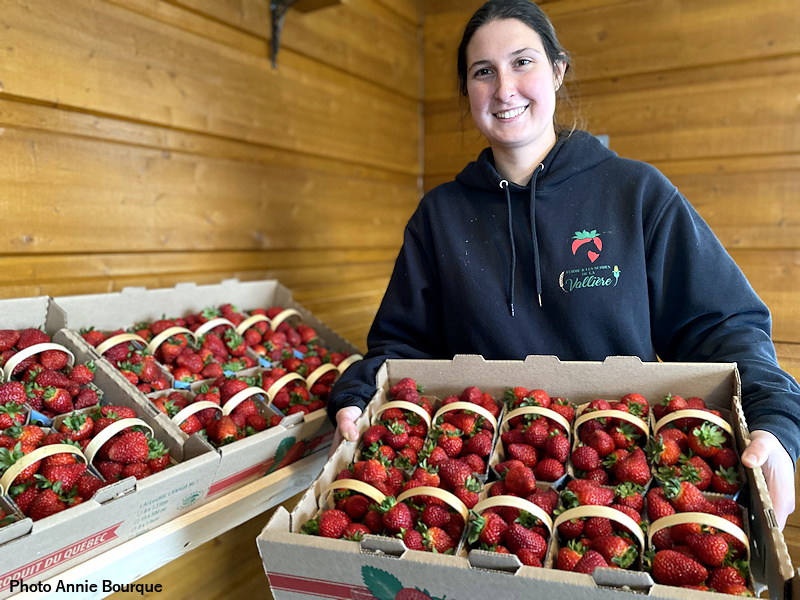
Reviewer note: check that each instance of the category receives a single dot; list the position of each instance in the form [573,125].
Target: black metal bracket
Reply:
[278,9]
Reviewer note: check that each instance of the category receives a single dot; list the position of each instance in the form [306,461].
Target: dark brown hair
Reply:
[531,15]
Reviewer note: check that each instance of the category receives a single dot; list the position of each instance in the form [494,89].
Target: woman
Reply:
[551,244]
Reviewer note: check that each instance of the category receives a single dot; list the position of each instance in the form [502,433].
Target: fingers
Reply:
[346,428]
[345,420]
[755,454]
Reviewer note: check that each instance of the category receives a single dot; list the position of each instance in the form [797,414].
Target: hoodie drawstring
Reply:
[513,249]
[537,271]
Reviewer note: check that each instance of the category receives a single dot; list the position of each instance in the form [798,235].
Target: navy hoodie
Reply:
[597,256]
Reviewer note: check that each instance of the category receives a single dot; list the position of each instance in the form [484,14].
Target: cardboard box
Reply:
[34,551]
[302,566]
[252,457]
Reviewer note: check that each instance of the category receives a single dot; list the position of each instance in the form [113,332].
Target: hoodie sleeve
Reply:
[407,324]
[703,309]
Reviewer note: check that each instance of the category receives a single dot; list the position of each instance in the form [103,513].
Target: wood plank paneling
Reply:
[141,69]
[364,37]
[176,201]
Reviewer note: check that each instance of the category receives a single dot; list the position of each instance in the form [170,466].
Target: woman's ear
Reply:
[559,70]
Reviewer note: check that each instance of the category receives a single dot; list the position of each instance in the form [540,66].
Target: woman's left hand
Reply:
[767,452]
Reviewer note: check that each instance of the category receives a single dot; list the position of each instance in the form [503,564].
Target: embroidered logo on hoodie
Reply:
[587,245]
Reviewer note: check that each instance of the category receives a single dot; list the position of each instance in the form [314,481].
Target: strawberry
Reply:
[30,337]
[709,548]
[563,407]
[453,473]
[685,497]
[557,447]
[137,470]
[487,529]
[11,414]
[77,426]
[157,456]
[517,537]
[8,339]
[130,447]
[396,516]
[110,470]
[601,441]
[437,540]
[725,481]
[480,444]
[585,458]
[87,485]
[223,431]
[616,550]
[589,562]
[53,359]
[524,453]
[13,391]
[637,405]
[47,502]
[663,452]
[469,493]
[657,505]
[549,469]
[537,433]
[633,468]
[67,474]
[332,523]
[569,555]
[673,568]
[520,481]
[723,577]
[706,440]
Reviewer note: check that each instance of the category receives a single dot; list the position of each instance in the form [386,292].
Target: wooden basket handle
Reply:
[354,485]
[467,406]
[188,411]
[312,377]
[616,414]
[692,413]
[15,360]
[280,383]
[703,519]
[282,316]
[43,452]
[537,410]
[165,335]
[516,502]
[116,340]
[405,405]
[427,490]
[611,514]
[109,432]
[211,324]
[240,397]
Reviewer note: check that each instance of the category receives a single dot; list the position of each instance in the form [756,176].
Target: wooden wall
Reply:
[708,92]
[147,142]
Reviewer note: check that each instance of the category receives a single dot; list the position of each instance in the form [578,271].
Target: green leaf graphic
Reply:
[383,585]
[280,453]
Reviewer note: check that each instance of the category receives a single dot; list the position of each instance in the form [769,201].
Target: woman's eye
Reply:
[481,72]
[524,61]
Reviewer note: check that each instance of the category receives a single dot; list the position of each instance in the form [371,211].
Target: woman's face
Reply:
[511,86]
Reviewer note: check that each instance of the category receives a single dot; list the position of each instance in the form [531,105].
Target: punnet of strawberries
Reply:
[537,440]
[586,543]
[608,449]
[398,434]
[463,435]
[509,529]
[294,397]
[56,482]
[695,450]
[43,381]
[249,417]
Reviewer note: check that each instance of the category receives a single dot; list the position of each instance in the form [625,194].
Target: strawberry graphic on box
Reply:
[584,237]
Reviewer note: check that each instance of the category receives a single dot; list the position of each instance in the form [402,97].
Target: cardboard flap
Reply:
[15,530]
[481,559]
[609,577]
[280,520]
[383,545]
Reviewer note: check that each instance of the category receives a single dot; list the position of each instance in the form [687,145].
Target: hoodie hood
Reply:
[572,154]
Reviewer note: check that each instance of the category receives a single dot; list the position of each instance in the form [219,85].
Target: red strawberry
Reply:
[8,339]
[332,523]
[520,481]
[13,391]
[673,568]
[709,548]
[58,400]
[616,550]
[47,502]
[722,578]
[524,453]
[396,516]
[30,337]
[685,497]
[517,537]
[557,447]
[487,529]
[550,469]
[53,359]
[589,562]
[569,555]
[437,540]
[706,440]
[725,481]
[130,447]
[453,473]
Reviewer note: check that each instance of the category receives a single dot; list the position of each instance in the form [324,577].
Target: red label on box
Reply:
[250,472]
[58,557]
[318,587]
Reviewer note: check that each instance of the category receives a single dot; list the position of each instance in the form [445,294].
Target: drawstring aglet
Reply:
[540,301]
[511,306]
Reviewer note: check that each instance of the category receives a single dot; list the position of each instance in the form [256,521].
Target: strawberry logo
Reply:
[385,586]
[584,237]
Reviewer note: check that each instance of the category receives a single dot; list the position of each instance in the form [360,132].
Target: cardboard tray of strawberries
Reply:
[58,527]
[252,456]
[356,569]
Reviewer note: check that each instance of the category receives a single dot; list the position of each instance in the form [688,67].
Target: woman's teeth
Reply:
[509,114]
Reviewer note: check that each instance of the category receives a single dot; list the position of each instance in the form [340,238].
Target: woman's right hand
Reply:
[345,427]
